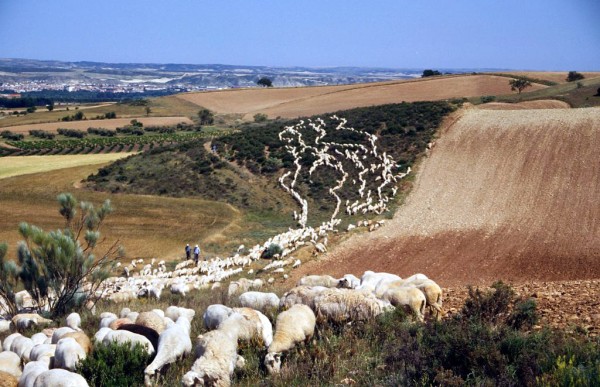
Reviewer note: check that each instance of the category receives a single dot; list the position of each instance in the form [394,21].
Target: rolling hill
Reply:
[507,195]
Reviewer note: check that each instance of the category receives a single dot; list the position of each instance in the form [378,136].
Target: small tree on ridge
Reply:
[519,84]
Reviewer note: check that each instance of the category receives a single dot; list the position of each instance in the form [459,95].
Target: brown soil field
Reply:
[539,104]
[106,124]
[510,195]
[554,76]
[306,101]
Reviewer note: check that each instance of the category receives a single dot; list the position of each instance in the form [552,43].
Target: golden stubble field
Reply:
[148,226]
[306,101]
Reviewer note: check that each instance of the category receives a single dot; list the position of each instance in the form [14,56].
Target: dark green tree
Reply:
[50,107]
[264,82]
[55,265]
[574,76]
[206,117]
[9,278]
[430,73]
[519,84]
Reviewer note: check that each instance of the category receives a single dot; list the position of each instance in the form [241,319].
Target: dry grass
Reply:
[24,165]
[148,226]
[106,124]
[306,101]
[553,76]
[539,104]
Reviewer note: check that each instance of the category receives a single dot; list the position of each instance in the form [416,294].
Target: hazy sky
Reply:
[516,34]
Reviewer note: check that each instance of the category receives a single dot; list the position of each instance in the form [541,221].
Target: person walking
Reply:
[188,251]
[196,254]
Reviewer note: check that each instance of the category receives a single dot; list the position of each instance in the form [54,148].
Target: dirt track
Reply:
[305,101]
[509,195]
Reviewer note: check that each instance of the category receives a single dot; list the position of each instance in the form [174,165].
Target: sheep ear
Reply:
[277,356]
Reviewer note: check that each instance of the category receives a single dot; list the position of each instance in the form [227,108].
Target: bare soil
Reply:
[306,101]
[554,76]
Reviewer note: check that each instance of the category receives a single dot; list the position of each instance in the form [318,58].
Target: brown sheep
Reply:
[148,333]
[81,339]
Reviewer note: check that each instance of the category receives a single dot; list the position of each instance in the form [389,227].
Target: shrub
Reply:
[75,133]
[42,134]
[488,98]
[115,365]
[271,251]
[430,73]
[260,117]
[7,134]
[574,76]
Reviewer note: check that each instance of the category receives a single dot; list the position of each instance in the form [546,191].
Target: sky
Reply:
[556,35]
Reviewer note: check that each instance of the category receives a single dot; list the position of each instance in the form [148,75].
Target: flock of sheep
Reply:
[50,356]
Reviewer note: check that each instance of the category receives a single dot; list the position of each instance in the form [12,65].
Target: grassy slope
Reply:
[574,95]
[248,164]
[148,226]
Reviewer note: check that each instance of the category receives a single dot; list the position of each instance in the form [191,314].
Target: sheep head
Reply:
[199,379]
[273,362]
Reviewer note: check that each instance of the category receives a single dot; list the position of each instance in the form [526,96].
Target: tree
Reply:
[50,107]
[54,266]
[519,84]
[148,111]
[574,76]
[264,82]
[430,73]
[260,117]
[206,117]
[9,278]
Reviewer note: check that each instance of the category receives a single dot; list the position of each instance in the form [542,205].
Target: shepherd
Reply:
[188,251]
[196,254]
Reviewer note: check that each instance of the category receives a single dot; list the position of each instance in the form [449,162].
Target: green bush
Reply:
[260,117]
[271,251]
[115,365]
[488,98]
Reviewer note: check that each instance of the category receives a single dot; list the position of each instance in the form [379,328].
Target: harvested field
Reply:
[553,76]
[24,165]
[509,195]
[306,101]
[106,124]
[148,226]
[539,104]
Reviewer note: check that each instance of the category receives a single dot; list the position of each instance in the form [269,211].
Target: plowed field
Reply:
[305,101]
[511,195]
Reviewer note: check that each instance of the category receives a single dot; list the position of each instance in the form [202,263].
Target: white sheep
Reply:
[248,324]
[243,285]
[30,372]
[259,300]
[39,338]
[60,378]
[68,353]
[174,312]
[407,296]
[215,314]
[122,336]
[318,280]
[349,281]
[74,321]
[293,326]
[300,295]
[370,279]
[173,343]
[216,359]
[10,363]
[9,339]
[433,294]
[339,305]
[42,353]
[60,332]
[151,320]
[22,346]
[99,336]
[6,326]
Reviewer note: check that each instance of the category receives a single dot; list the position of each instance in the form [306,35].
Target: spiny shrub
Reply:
[115,365]
[271,251]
